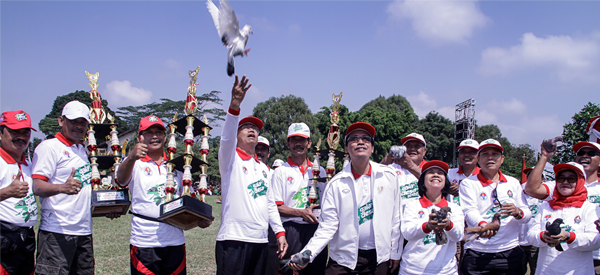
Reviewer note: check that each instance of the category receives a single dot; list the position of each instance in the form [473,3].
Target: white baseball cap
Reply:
[264,141]
[583,144]
[277,163]
[299,129]
[413,136]
[75,109]
[491,143]
[468,143]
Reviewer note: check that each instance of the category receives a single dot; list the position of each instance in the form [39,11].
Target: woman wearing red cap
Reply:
[419,226]
[564,228]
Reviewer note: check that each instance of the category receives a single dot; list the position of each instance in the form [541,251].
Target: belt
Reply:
[145,217]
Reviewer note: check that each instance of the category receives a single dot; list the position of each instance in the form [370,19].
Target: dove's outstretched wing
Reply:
[225,21]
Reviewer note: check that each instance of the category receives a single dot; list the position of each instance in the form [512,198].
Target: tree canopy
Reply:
[574,132]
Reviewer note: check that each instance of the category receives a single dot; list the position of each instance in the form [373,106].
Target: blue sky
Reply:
[530,65]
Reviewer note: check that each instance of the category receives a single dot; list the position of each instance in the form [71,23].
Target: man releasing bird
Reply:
[228,28]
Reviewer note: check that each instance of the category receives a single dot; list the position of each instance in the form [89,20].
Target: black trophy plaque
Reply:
[105,202]
[185,212]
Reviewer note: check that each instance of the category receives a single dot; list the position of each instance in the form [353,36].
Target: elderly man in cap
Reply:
[360,218]
[248,205]
[588,155]
[291,184]
[18,208]
[493,198]
[155,247]
[408,167]
[61,177]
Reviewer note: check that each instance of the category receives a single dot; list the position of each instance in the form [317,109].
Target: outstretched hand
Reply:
[238,92]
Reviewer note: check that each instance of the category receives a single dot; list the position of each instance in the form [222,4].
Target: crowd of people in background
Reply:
[405,215]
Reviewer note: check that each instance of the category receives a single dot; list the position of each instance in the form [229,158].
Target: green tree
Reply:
[278,113]
[574,132]
[394,102]
[49,124]
[438,132]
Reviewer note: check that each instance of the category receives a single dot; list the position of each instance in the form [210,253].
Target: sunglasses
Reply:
[561,179]
[581,153]
[355,139]
[495,200]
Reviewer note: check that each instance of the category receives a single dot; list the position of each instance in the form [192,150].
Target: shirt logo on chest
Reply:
[547,217]
[577,219]
[245,170]
[454,182]
[67,154]
[398,172]
[510,194]
[257,188]
[483,196]
[421,213]
[290,180]
[148,171]
[264,174]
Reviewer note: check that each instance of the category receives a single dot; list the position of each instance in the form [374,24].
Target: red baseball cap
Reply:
[582,144]
[16,120]
[435,163]
[149,121]
[254,120]
[361,126]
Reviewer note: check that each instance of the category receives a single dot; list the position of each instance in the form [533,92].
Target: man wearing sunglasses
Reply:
[248,205]
[360,218]
[588,155]
[484,195]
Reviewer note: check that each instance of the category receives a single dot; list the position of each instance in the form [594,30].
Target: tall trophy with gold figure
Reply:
[333,137]
[316,171]
[106,198]
[186,211]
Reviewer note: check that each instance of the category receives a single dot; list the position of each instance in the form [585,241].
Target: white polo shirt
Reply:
[18,211]
[147,187]
[291,184]
[53,162]
[455,176]
[534,207]
[477,202]
[248,204]
[421,255]
[407,183]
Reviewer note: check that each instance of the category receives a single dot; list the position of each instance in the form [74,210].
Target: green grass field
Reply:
[111,244]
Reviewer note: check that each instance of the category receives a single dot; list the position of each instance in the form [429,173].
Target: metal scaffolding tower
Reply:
[464,124]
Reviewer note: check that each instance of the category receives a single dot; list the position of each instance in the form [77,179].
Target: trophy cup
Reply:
[316,171]
[105,200]
[185,212]
[333,138]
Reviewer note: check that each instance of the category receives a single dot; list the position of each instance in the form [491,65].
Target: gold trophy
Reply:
[106,198]
[333,137]
[186,211]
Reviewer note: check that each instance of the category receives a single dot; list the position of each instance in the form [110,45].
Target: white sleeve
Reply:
[457,233]
[328,225]
[277,185]
[468,202]
[397,237]
[521,203]
[412,226]
[589,239]
[44,161]
[274,218]
[228,146]
[533,235]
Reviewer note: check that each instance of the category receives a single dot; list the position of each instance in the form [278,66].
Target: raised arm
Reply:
[534,186]
[229,134]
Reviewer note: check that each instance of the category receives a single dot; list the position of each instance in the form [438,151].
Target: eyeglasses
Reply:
[561,179]
[590,153]
[355,139]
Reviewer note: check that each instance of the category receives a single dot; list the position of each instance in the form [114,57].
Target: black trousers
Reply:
[366,264]
[18,248]
[158,260]
[530,256]
[64,254]
[241,258]
[509,262]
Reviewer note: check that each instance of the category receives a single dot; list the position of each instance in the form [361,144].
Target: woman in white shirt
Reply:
[578,236]
[422,255]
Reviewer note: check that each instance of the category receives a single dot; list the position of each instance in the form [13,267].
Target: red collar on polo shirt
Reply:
[245,155]
[64,140]
[425,202]
[356,175]
[485,181]
[475,172]
[302,169]
[148,159]
[422,163]
[9,159]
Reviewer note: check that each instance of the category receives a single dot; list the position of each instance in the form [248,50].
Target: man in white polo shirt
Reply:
[360,213]
[18,208]
[409,166]
[467,156]
[481,197]
[263,150]
[248,205]
[61,177]
[155,247]
[291,185]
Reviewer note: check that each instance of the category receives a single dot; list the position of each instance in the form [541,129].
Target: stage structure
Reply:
[464,125]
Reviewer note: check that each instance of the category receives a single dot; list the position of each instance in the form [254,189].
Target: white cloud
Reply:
[512,116]
[121,93]
[569,58]
[438,21]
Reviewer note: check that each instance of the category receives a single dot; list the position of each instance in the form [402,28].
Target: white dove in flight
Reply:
[228,28]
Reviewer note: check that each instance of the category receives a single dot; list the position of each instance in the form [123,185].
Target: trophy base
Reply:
[185,212]
[105,202]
